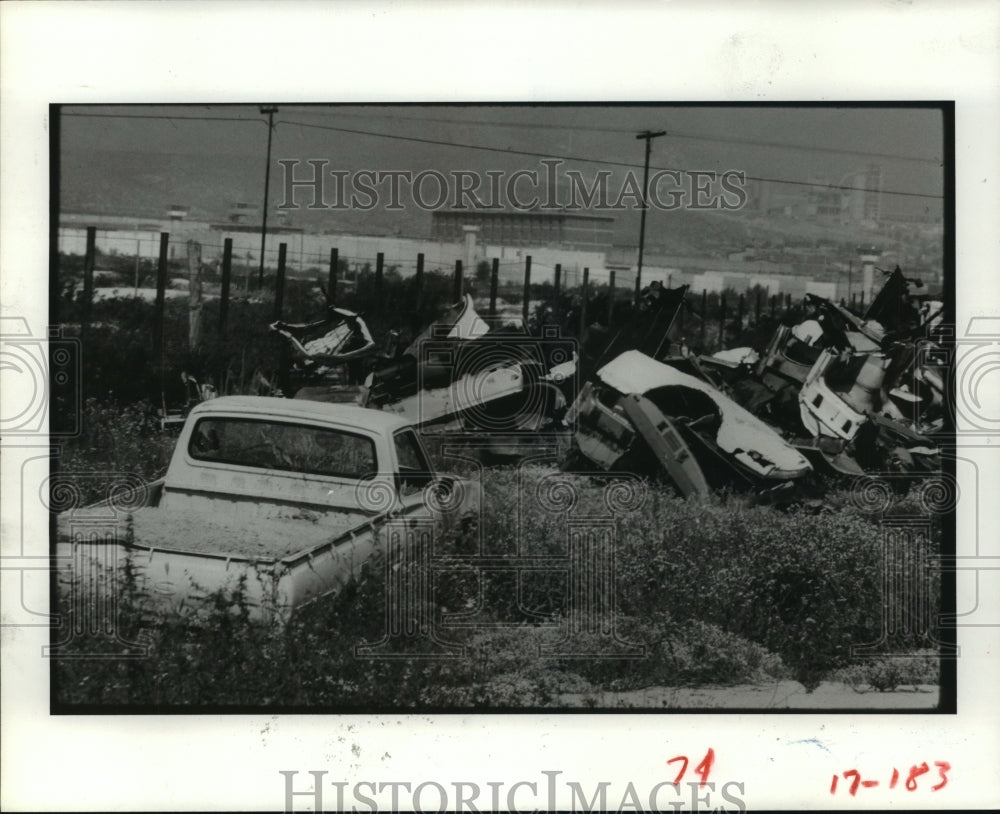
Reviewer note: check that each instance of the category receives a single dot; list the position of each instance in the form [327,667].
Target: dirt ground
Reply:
[780,695]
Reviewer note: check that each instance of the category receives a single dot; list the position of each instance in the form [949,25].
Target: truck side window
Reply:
[414,471]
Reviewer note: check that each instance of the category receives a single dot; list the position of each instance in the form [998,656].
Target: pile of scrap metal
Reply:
[328,356]
[831,392]
[646,330]
[851,392]
[461,375]
[644,416]
[457,375]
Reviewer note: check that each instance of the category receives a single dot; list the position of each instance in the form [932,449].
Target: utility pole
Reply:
[648,135]
[270,110]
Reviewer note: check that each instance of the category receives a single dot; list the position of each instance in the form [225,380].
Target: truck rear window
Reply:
[264,444]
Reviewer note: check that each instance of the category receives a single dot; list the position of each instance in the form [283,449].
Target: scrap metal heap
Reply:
[456,375]
[831,391]
[461,375]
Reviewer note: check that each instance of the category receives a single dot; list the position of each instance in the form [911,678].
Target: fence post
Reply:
[704,317]
[331,288]
[456,289]
[611,297]
[279,283]
[194,293]
[722,320]
[494,282]
[89,259]
[227,271]
[526,300]
[379,268]
[419,295]
[135,287]
[584,294]
[161,288]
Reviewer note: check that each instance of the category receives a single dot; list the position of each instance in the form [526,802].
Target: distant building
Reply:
[241,212]
[571,230]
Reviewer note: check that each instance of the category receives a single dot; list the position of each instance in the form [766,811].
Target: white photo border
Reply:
[384,52]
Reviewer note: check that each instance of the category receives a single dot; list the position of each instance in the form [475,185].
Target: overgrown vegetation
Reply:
[706,592]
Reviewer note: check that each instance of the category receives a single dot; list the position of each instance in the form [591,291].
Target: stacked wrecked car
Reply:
[828,392]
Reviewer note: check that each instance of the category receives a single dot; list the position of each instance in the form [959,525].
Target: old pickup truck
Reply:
[287,498]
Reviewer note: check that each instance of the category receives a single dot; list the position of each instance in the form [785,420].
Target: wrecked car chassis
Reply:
[647,417]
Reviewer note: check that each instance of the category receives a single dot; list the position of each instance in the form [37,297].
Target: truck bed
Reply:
[232,534]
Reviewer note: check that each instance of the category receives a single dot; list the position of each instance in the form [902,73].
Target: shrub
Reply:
[716,591]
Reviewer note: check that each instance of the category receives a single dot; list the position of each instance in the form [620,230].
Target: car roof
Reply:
[346,415]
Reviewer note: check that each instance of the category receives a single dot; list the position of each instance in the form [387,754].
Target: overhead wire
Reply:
[536,154]
[592,160]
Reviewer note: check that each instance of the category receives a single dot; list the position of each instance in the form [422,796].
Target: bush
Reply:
[716,591]
[115,439]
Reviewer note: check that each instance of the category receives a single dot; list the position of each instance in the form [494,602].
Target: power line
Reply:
[589,160]
[677,134]
[623,130]
[533,154]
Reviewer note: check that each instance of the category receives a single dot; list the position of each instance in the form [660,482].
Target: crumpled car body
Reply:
[640,414]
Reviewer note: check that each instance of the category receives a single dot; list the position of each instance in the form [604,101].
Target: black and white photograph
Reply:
[513,407]
[498,406]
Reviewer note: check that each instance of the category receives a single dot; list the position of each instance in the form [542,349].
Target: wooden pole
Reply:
[279,283]
[456,288]
[135,285]
[722,321]
[161,288]
[419,299]
[227,271]
[379,269]
[526,300]
[89,260]
[704,316]
[284,363]
[611,297]
[331,288]
[756,319]
[739,317]
[194,293]
[584,294]
[494,283]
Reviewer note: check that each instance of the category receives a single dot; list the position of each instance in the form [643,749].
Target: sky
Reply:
[207,156]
